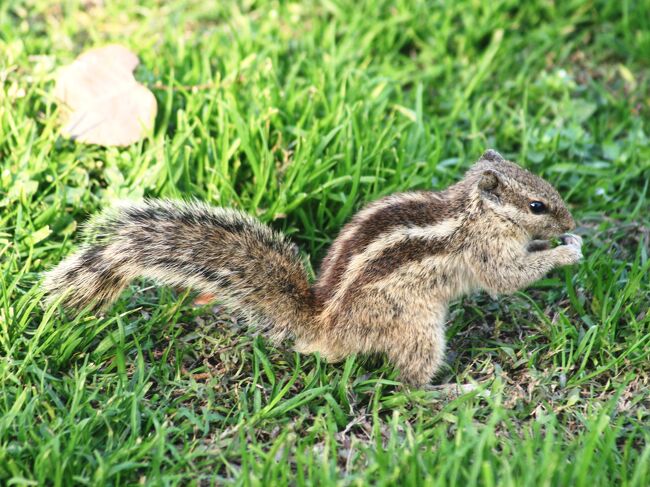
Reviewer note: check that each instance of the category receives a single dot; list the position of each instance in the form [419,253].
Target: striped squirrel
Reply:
[384,286]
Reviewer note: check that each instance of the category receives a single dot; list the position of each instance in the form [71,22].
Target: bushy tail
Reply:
[254,270]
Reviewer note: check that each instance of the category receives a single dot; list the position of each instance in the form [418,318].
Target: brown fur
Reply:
[384,285]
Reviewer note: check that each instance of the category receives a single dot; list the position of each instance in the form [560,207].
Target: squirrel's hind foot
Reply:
[326,351]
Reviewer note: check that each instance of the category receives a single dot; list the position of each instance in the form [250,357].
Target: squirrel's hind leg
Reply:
[418,355]
[329,353]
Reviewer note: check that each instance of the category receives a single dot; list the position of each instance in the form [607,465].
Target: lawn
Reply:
[300,113]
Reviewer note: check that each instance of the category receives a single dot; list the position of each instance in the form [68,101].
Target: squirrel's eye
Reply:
[537,207]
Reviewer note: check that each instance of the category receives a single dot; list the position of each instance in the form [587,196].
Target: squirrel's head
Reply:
[519,196]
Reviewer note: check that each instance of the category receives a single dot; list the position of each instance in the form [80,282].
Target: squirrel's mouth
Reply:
[538,243]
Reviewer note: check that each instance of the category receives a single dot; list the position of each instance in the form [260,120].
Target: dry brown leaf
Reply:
[107,106]
[205,298]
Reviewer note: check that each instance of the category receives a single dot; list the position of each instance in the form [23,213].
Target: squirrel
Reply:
[384,285]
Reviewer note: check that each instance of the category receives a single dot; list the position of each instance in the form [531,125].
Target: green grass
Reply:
[300,113]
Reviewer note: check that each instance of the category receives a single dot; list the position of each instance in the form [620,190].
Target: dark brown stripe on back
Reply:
[396,257]
[408,213]
[400,255]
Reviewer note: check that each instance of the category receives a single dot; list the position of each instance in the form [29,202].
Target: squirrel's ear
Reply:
[492,155]
[489,181]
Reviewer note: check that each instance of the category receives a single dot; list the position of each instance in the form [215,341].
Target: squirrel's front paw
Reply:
[571,239]
[571,249]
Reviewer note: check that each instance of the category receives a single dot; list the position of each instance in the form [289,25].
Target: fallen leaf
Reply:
[107,106]
[205,298]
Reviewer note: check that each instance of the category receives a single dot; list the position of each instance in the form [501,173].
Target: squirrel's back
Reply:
[253,269]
